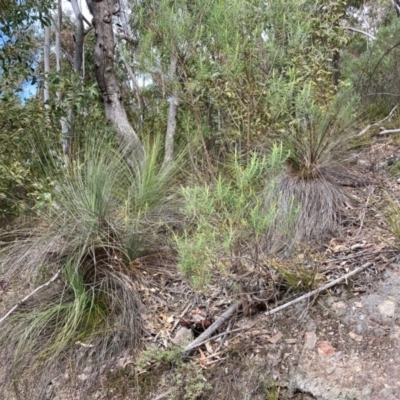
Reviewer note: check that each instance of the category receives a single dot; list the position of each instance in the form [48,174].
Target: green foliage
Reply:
[187,377]
[228,216]
[297,275]
[240,69]
[26,149]
[318,137]
[373,67]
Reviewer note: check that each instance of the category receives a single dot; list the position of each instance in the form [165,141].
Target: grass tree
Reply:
[87,311]
[317,142]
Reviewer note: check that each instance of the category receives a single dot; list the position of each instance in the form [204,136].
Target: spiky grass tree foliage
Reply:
[103,216]
[317,143]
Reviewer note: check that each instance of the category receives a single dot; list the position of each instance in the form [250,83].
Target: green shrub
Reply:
[229,217]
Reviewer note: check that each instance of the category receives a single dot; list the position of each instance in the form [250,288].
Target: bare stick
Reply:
[377,123]
[386,131]
[360,254]
[363,213]
[370,35]
[319,290]
[163,395]
[53,278]
[243,328]
[205,336]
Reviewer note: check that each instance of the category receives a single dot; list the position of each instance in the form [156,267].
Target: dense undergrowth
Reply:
[267,114]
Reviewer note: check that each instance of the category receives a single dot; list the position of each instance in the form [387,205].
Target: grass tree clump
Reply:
[392,217]
[228,217]
[86,313]
[317,142]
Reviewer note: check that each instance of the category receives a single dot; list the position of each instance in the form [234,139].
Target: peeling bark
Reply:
[102,11]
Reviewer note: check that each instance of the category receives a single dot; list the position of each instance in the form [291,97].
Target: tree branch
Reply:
[365,130]
[8,313]
[205,336]
[370,35]
[319,290]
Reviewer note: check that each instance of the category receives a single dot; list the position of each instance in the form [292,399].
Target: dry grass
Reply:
[321,204]
[317,142]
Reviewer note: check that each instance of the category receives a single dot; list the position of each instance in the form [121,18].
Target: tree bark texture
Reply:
[102,11]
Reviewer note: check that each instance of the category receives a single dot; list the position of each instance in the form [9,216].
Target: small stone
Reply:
[183,336]
[331,370]
[358,304]
[290,341]
[363,162]
[354,336]
[276,338]
[340,305]
[398,180]
[311,340]
[83,377]
[326,349]
[387,308]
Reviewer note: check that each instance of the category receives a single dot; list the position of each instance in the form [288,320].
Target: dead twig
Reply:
[369,35]
[205,336]
[360,254]
[386,131]
[364,212]
[243,328]
[162,395]
[365,130]
[52,279]
[181,316]
[320,289]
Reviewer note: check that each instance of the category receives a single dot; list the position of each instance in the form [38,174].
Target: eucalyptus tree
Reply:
[103,12]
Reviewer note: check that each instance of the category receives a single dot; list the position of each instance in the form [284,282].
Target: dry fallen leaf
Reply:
[276,338]
[354,336]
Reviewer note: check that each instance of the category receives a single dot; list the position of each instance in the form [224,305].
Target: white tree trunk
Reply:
[46,61]
[130,144]
[68,128]
[172,114]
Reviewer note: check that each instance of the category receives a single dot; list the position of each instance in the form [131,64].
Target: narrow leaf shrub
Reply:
[229,217]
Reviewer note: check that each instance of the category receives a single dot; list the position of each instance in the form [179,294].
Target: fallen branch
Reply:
[370,35]
[365,130]
[243,328]
[162,395]
[319,290]
[386,131]
[360,254]
[52,279]
[205,336]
